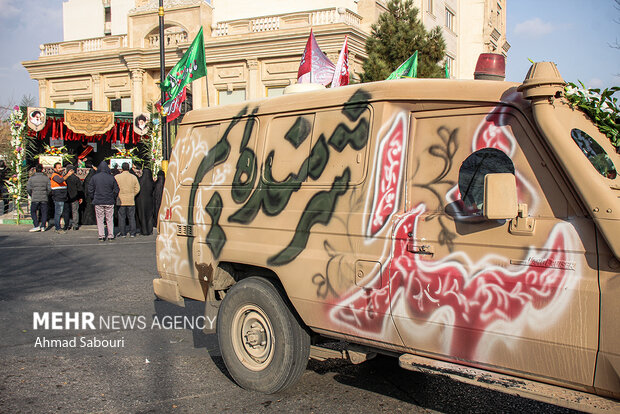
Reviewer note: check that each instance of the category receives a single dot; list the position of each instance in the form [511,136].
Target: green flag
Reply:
[408,69]
[192,66]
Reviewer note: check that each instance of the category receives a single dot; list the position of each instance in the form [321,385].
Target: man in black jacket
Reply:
[39,189]
[74,199]
[103,189]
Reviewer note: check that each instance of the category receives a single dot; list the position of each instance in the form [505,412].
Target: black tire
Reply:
[262,343]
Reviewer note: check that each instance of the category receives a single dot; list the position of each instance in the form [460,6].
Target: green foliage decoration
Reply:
[600,107]
[21,149]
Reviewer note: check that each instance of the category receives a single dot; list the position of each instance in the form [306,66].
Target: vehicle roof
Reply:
[448,90]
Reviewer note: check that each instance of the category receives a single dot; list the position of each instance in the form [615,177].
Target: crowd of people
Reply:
[127,200]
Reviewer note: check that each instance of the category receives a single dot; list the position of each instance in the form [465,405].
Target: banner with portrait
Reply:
[141,124]
[36,118]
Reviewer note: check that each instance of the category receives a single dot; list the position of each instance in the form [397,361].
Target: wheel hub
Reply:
[253,341]
[255,337]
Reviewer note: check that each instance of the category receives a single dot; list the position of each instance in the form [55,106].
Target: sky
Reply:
[575,34]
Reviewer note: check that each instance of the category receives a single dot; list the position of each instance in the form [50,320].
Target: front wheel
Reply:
[263,345]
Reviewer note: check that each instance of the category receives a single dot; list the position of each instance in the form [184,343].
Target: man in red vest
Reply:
[59,193]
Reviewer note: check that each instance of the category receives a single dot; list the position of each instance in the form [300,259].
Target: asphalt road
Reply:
[167,370]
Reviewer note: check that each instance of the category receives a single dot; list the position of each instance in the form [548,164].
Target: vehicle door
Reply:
[514,295]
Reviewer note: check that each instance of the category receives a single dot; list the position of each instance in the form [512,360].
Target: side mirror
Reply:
[500,196]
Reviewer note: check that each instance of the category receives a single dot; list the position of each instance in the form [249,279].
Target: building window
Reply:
[499,14]
[449,66]
[107,24]
[83,105]
[449,20]
[275,91]
[228,97]
[120,105]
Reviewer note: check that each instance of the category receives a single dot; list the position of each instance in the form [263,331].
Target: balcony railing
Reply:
[170,38]
[227,28]
[86,45]
[286,21]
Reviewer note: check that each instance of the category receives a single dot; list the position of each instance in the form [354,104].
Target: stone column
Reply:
[97,94]
[254,85]
[43,95]
[137,79]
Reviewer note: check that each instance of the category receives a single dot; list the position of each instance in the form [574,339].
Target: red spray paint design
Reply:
[388,176]
[489,295]
[477,300]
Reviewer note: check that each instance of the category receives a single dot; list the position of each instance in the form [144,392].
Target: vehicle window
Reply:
[191,148]
[339,143]
[595,153]
[287,148]
[473,170]
[202,153]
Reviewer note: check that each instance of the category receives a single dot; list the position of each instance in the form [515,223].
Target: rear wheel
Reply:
[263,345]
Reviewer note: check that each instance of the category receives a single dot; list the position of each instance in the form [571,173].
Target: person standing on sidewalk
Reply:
[103,190]
[4,192]
[75,195]
[129,187]
[144,202]
[88,209]
[158,193]
[39,188]
[59,193]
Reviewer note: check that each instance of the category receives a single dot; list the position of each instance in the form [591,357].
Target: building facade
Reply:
[109,59]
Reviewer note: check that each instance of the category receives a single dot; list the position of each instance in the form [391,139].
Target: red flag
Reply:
[172,108]
[314,67]
[341,72]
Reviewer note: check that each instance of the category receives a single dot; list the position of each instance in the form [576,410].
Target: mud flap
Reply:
[168,290]
[219,280]
[212,307]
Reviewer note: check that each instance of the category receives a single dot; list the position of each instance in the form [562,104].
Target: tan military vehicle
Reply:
[471,227]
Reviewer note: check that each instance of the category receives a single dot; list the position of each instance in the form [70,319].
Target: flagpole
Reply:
[162,77]
[310,59]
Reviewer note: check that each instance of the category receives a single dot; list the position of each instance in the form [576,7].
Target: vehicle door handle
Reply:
[412,247]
